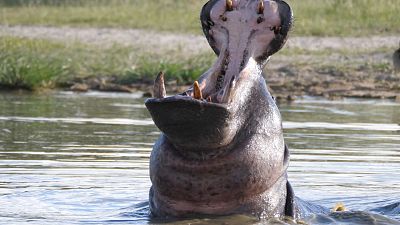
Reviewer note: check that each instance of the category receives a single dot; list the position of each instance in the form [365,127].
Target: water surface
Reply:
[70,158]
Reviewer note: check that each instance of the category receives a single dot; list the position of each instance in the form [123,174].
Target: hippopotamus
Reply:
[222,150]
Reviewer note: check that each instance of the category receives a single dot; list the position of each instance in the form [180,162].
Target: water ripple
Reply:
[113,121]
[341,126]
[84,158]
[149,122]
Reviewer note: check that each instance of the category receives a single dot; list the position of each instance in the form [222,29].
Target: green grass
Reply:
[161,15]
[346,17]
[313,17]
[22,67]
[34,64]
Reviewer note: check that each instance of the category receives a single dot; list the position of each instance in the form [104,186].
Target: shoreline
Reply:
[281,93]
[277,93]
[333,67]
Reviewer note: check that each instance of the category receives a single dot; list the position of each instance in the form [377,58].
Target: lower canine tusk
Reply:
[159,86]
[196,91]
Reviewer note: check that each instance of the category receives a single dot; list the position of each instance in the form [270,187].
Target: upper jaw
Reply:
[267,16]
[243,33]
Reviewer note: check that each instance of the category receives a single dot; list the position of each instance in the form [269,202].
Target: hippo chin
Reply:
[222,149]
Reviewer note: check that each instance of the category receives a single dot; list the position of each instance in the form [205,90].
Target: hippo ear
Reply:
[281,34]
[207,23]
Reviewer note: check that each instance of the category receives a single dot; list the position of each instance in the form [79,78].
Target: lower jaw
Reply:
[187,122]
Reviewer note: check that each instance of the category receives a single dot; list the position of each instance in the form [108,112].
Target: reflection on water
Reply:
[83,158]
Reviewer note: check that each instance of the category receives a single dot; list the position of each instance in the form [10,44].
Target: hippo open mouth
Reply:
[222,150]
[244,34]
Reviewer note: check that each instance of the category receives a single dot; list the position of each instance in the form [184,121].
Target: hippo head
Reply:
[209,116]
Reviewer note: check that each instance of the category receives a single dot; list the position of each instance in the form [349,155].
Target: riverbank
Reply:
[312,18]
[81,59]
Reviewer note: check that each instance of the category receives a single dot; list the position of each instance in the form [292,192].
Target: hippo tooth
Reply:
[196,91]
[261,7]
[229,5]
[159,86]
[228,91]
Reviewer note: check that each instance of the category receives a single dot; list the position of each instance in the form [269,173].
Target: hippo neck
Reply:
[246,171]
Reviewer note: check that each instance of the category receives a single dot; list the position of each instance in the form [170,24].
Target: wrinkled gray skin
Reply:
[225,153]
[396,60]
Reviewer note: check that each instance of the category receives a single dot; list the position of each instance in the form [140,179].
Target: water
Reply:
[83,158]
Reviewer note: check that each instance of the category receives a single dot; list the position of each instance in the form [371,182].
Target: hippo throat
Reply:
[222,150]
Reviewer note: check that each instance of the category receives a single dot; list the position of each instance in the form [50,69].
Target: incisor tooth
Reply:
[260,7]
[228,90]
[159,86]
[229,5]
[196,91]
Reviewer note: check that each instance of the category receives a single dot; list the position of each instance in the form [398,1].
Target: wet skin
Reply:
[396,60]
[222,149]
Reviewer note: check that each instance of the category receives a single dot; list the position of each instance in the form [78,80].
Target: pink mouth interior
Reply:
[241,35]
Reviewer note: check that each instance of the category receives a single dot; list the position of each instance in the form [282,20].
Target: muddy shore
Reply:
[333,67]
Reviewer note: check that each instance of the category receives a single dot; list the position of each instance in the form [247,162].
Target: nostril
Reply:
[276,29]
[223,18]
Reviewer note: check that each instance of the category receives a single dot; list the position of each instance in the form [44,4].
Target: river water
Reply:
[70,158]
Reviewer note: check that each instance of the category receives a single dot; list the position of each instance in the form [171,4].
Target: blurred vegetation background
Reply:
[33,63]
[313,17]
